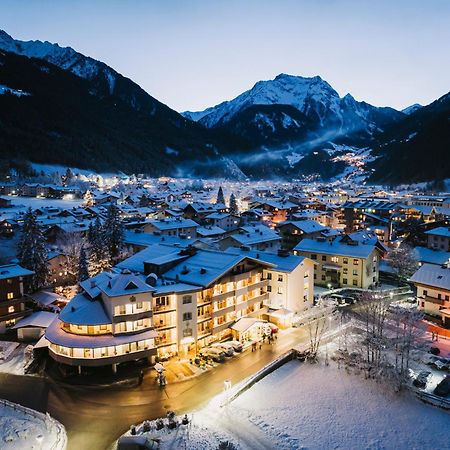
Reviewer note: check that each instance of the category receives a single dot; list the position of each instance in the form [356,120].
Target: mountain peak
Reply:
[411,109]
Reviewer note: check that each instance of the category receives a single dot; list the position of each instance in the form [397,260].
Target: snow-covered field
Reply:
[24,429]
[313,406]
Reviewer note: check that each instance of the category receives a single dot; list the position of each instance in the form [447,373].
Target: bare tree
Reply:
[403,260]
[316,329]
[70,245]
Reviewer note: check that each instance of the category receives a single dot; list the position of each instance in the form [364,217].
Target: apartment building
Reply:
[342,263]
[108,323]
[439,238]
[12,290]
[199,294]
[433,291]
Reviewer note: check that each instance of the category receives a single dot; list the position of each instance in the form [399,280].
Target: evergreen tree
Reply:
[99,259]
[233,205]
[83,266]
[220,196]
[31,251]
[113,232]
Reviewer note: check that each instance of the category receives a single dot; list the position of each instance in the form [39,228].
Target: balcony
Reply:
[222,311]
[434,300]
[163,308]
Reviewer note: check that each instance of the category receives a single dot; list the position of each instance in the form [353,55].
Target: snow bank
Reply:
[24,428]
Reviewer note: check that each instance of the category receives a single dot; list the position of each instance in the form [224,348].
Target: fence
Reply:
[46,419]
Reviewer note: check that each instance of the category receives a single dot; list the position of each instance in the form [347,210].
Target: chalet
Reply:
[433,291]
[12,289]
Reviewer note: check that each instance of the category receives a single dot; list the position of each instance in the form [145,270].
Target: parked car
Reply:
[215,354]
[227,349]
[349,300]
[272,328]
[434,351]
[443,388]
[421,379]
[237,346]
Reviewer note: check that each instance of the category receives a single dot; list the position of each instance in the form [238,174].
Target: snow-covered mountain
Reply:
[410,109]
[321,107]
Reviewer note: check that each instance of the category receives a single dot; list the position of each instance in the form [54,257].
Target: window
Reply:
[345,260]
[187,299]
[103,327]
[280,290]
[10,295]
[356,262]
[269,288]
[139,305]
[187,316]
[269,275]
[425,292]
[323,277]
[324,257]
[355,282]
[344,281]
[187,332]
[345,271]
[313,256]
[355,272]
[280,278]
[334,259]
[11,309]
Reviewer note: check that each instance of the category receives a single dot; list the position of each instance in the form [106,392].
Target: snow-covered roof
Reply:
[205,267]
[211,230]
[253,235]
[427,255]
[147,239]
[40,319]
[335,248]
[81,310]
[173,224]
[440,231]
[155,254]
[245,323]
[281,263]
[13,270]
[433,275]
[45,297]
[307,226]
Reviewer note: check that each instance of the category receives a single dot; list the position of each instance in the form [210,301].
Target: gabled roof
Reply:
[335,248]
[433,276]
[427,255]
[206,267]
[440,231]
[307,226]
[13,270]
[173,224]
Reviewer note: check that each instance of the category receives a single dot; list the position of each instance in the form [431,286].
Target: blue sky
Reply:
[194,54]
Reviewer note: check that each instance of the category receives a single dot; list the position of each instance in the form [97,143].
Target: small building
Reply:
[254,238]
[439,238]
[32,327]
[12,290]
[433,291]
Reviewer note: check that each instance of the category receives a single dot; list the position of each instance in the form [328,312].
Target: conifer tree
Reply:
[31,251]
[233,205]
[113,232]
[83,266]
[99,259]
[220,196]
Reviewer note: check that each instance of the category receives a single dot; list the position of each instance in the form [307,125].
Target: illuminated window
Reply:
[11,309]
[10,295]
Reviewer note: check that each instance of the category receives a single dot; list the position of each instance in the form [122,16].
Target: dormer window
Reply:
[130,286]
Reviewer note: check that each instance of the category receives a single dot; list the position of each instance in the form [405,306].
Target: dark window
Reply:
[313,256]
[324,257]
[187,299]
[187,316]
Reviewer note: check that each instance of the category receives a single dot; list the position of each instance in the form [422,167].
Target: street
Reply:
[95,416]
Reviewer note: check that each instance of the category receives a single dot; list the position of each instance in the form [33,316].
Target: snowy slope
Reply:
[410,109]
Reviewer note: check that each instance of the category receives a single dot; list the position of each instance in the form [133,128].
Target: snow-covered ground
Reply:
[25,429]
[16,357]
[313,406]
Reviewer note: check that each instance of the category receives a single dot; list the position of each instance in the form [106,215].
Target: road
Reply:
[95,416]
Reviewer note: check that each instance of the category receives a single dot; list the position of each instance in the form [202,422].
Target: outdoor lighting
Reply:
[227,385]
[391,294]
[329,285]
